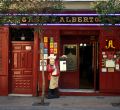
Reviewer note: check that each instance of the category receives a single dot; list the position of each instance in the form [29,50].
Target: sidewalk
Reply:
[62,103]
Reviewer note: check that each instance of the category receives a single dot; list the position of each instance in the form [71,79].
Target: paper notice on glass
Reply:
[45,56]
[45,68]
[104,69]
[63,66]
[110,63]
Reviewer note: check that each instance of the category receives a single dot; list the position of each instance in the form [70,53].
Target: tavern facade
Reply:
[93,51]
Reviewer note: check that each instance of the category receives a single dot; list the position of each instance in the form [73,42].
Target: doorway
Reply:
[85,66]
[85,72]
[21,61]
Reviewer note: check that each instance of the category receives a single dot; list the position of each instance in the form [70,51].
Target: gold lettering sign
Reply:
[91,19]
[109,44]
[52,19]
[68,20]
[62,19]
[97,19]
[85,19]
[78,19]
[74,19]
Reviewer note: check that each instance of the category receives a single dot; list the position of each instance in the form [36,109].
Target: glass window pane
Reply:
[71,52]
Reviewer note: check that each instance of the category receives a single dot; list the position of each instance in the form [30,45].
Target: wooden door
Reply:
[21,67]
[85,76]
[70,78]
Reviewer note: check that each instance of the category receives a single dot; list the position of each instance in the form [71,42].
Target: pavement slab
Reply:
[62,103]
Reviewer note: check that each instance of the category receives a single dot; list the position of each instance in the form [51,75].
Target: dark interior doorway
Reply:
[86,72]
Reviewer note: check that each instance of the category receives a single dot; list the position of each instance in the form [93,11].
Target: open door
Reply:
[82,62]
[86,72]
[88,65]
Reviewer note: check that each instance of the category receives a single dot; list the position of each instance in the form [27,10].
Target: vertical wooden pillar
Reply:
[35,63]
[4,40]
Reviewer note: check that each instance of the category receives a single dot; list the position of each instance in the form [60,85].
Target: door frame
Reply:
[94,37]
[95,65]
[35,60]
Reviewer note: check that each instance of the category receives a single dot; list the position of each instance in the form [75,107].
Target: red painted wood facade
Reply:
[108,81]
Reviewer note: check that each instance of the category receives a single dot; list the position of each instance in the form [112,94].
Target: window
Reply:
[70,51]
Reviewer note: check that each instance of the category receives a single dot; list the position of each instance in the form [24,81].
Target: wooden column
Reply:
[35,63]
[4,39]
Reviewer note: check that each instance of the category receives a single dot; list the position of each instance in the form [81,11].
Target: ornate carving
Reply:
[22,83]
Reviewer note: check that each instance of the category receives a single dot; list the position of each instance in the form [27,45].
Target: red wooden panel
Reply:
[109,81]
[103,83]
[3,85]
[116,80]
[15,60]
[69,80]
[17,47]
[4,49]
[3,60]
[16,72]
[28,72]
[22,85]
[29,63]
[23,59]
[35,63]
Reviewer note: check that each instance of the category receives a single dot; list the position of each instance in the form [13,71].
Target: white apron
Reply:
[53,82]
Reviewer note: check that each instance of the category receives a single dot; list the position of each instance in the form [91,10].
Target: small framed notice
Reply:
[111,70]
[117,67]
[104,69]
[110,63]
[103,53]
[104,56]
